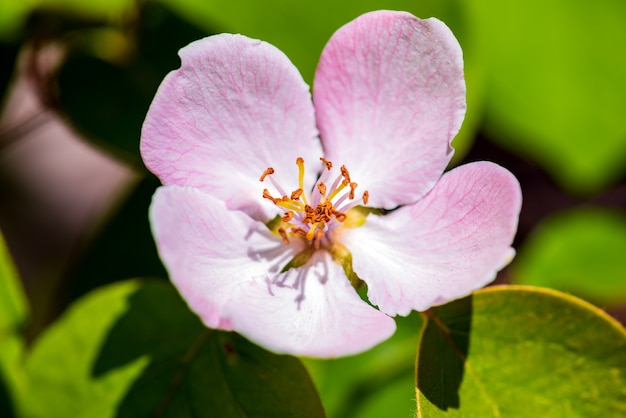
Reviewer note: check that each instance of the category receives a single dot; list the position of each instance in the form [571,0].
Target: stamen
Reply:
[318,238]
[300,164]
[327,163]
[322,188]
[267,195]
[295,195]
[310,234]
[298,231]
[287,217]
[312,219]
[345,174]
[337,190]
[352,187]
[289,205]
[308,215]
[266,173]
[340,216]
[283,235]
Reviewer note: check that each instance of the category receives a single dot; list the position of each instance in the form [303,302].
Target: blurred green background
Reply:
[546,99]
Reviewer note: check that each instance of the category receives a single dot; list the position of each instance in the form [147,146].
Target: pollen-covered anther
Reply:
[345,174]
[366,197]
[340,216]
[298,231]
[266,173]
[287,216]
[322,188]
[327,163]
[352,187]
[267,195]
[295,195]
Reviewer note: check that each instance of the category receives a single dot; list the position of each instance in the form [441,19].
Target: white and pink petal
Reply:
[235,107]
[330,320]
[389,94]
[445,246]
[227,267]
[209,250]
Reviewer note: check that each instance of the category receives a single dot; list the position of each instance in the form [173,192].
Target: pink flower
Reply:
[389,98]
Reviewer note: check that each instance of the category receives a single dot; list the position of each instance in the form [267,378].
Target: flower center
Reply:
[315,215]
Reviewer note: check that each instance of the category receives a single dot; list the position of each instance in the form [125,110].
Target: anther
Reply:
[345,173]
[295,195]
[283,235]
[366,197]
[298,231]
[327,163]
[287,217]
[322,188]
[340,216]
[266,173]
[352,187]
[267,195]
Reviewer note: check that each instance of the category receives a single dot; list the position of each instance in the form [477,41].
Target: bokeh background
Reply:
[546,99]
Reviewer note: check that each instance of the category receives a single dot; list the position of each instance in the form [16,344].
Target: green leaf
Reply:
[580,252]
[134,349]
[378,382]
[13,314]
[555,84]
[523,352]
[13,305]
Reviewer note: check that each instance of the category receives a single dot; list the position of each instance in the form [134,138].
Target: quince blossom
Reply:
[263,220]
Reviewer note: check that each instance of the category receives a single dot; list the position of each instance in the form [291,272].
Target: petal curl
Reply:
[389,93]
[443,247]
[235,107]
[209,250]
[331,321]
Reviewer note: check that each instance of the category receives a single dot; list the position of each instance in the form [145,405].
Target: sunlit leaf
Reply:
[555,84]
[135,350]
[580,252]
[13,313]
[523,352]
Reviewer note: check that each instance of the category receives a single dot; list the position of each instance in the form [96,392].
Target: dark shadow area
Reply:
[443,350]
[124,248]
[158,327]
[195,371]
[156,314]
[6,403]
[120,89]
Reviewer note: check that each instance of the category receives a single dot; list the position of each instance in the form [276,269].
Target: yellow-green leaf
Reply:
[515,351]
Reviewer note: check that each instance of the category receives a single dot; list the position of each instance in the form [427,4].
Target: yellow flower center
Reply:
[315,215]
